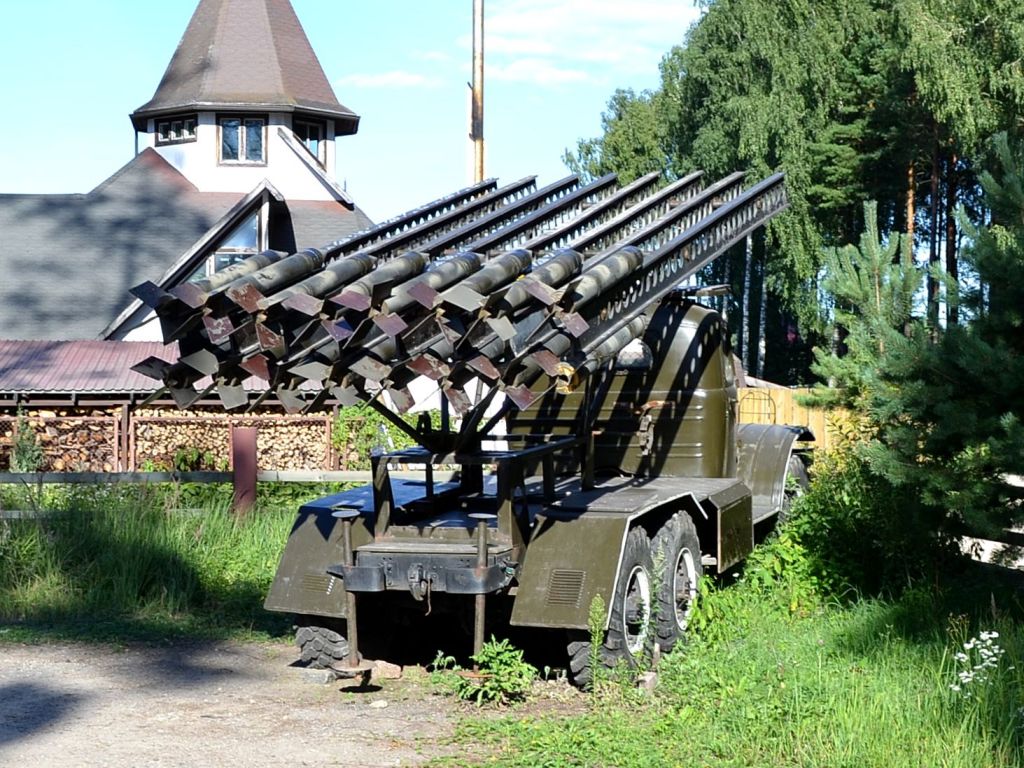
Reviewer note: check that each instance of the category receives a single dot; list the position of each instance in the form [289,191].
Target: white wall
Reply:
[198,162]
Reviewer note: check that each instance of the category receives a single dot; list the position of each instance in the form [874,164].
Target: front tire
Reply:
[796,484]
[630,619]
[677,552]
[321,647]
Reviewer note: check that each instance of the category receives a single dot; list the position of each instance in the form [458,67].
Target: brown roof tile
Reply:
[89,367]
[245,54]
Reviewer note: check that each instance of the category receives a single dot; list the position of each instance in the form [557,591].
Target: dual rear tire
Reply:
[654,597]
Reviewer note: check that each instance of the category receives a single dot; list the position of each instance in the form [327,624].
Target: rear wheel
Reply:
[630,632]
[321,646]
[797,483]
[677,554]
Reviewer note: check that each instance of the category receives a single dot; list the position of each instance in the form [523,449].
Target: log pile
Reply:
[80,440]
[69,443]
[203,442]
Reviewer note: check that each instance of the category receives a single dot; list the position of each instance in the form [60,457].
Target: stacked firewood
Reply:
[67,442]
[204,443]
[70,441]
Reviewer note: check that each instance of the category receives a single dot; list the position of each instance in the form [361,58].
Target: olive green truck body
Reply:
[651,436]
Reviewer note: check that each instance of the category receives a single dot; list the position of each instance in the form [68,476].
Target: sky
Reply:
[73,70]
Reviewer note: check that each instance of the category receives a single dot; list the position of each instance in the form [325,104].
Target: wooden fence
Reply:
[779,406]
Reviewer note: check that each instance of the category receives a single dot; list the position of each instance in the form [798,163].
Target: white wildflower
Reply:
[975,662]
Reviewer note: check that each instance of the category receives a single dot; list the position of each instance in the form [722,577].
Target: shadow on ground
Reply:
[27,708]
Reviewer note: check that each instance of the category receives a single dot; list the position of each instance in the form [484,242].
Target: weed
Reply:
[977,664]
[502,678]
[596,618]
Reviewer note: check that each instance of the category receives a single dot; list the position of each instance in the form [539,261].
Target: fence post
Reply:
[243,465]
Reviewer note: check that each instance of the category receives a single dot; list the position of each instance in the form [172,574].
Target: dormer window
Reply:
[176,129]
[311,134]
[240,243]
[242,140]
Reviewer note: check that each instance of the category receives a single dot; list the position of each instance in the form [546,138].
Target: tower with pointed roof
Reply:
[236,151]
[244,98]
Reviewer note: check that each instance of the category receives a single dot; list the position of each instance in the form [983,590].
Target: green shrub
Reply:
[26,453]
[359,430]
[862,533]
[191,459]
[502,676]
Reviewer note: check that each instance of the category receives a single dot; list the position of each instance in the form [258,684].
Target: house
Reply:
[236,148]
[235,155]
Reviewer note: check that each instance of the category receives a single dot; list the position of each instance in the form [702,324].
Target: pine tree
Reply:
[871,288]
[949,414]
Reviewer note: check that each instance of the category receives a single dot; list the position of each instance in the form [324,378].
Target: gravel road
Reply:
[206,705]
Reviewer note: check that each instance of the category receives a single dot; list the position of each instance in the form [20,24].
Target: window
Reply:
[176,130]
[312,137]
[240,243]
[241,140]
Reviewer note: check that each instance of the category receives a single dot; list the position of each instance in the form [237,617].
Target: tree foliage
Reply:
[946,414]
[872,287]
[855,100]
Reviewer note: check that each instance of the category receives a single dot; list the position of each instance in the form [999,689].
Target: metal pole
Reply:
[477,116]
[350,613]
[482,521]
[244,467]
[353,663]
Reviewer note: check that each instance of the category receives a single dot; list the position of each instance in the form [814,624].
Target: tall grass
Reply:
[782,678]
[134,560]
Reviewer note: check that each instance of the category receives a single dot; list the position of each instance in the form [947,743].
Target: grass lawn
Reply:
[775,677]
[773,674]
[139,562]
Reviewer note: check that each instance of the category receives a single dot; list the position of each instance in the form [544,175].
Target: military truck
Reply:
[588,445]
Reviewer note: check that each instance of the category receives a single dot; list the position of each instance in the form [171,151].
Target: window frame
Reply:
[321,154]
[242,140]
[185,133]
[208,266]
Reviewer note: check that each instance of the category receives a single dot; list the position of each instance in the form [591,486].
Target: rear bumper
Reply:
[405,572]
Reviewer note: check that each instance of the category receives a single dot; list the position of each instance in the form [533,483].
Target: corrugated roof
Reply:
[62,367]
[93,367]
[245,54]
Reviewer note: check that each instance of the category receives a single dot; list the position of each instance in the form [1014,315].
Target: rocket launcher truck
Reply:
[588,444]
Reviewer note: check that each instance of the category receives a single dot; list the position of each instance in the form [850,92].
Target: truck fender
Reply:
[763,454]
[575,555]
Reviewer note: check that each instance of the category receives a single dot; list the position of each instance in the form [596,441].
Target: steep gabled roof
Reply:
[245,54]
[69,260]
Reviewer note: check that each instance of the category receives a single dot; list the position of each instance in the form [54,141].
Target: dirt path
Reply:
[205,705]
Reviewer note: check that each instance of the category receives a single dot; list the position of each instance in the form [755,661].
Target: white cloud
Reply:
[393,79]
[535,71]
[439,56]
[584,36]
